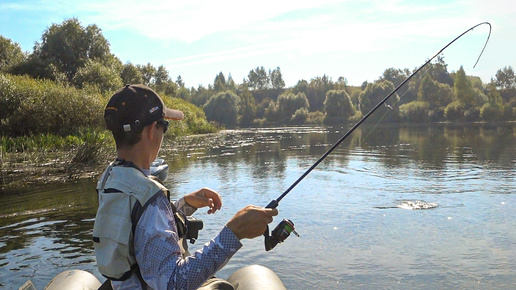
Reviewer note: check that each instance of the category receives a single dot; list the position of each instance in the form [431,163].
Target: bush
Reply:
[32,107]
[454,111]
[414,111]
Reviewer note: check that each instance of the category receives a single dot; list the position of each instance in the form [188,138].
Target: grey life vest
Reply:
[124,193]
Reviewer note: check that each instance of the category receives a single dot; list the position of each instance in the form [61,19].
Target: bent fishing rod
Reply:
[285,227]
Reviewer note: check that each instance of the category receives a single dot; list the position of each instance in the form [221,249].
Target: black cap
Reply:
[136,106]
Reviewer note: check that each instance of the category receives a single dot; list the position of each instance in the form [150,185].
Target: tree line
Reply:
[72,55]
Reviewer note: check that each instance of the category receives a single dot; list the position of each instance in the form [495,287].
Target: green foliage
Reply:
[289,104]
[454,111]
[69,45]
[195,121]
[414,112]
[338,106]
[95,74]
[505,78]
[463,90]
[10,54]
[31,107]
[258,78]
[372,95]
[247,107]
[223,108]
[277,79]
[316,92]
[436,94]
[219,84]
[299,117]
[315,118]
[130,74]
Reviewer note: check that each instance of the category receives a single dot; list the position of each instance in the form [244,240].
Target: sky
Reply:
[354,39]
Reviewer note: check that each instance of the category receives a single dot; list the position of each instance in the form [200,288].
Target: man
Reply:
[137,230]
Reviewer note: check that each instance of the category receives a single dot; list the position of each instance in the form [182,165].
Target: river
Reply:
[352,212]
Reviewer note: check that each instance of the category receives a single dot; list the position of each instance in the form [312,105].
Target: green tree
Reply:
[338,106]
[277,79]
[372,95]
[148,72]
[258,78]
[300,87]
[288,104]
[10,54]
[437,95]
[219,84]
[505,78]
[130,74]
[414,112]
[223,108]
[494,109]
[316,92]
[163,83]
[463,90]
[247,108]
[396,77]
[69,46]
[95,74]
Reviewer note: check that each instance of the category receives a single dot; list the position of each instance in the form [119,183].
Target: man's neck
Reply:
[136,155]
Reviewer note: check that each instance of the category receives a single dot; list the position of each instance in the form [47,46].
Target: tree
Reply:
[463,90]
[10,54]
[130,74]
[288,104]
[316,92]
[277,79]
[372,95]
[337,106]
[69,45]
[258,78]
[396,77]
[505,78]
[148,72]
[180,82]
[247,107]
[494,109]
[97,75]
[437,95]
[223,108]
[219,84]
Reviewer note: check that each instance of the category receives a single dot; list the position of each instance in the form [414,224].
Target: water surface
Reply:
[353,232]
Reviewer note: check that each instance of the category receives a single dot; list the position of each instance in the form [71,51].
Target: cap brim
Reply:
[171,114]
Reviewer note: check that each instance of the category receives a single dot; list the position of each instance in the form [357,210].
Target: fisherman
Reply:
[137,232]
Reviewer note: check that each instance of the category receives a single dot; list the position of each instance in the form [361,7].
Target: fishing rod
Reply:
[285,227]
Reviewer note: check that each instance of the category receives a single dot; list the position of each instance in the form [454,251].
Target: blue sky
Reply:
[355,39]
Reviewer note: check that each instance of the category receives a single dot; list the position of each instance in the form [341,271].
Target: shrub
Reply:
[31,107]
[414,111]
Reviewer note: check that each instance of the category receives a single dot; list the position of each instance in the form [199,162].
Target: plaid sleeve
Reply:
[159,256]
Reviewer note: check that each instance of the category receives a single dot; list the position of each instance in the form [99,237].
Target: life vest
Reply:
[124,192]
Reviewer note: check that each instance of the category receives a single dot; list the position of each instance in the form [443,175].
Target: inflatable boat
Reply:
[252,277]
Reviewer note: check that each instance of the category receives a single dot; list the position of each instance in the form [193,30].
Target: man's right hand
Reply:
[251,221]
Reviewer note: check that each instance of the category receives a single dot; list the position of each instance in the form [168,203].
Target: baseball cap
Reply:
[136,106]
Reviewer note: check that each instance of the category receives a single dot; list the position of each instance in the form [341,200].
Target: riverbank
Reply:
[89,160]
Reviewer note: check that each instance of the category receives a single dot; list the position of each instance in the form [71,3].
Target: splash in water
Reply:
[415,204]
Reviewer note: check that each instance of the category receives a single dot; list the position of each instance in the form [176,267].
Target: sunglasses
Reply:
[164,124]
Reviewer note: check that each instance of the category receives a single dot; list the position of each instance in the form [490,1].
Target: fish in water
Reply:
[415,204]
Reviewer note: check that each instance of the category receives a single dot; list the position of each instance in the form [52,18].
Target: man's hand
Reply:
[251,221]
[204,197]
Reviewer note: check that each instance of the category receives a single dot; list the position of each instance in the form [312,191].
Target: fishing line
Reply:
[283,230]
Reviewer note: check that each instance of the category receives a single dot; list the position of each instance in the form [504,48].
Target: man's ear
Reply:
[148,131]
